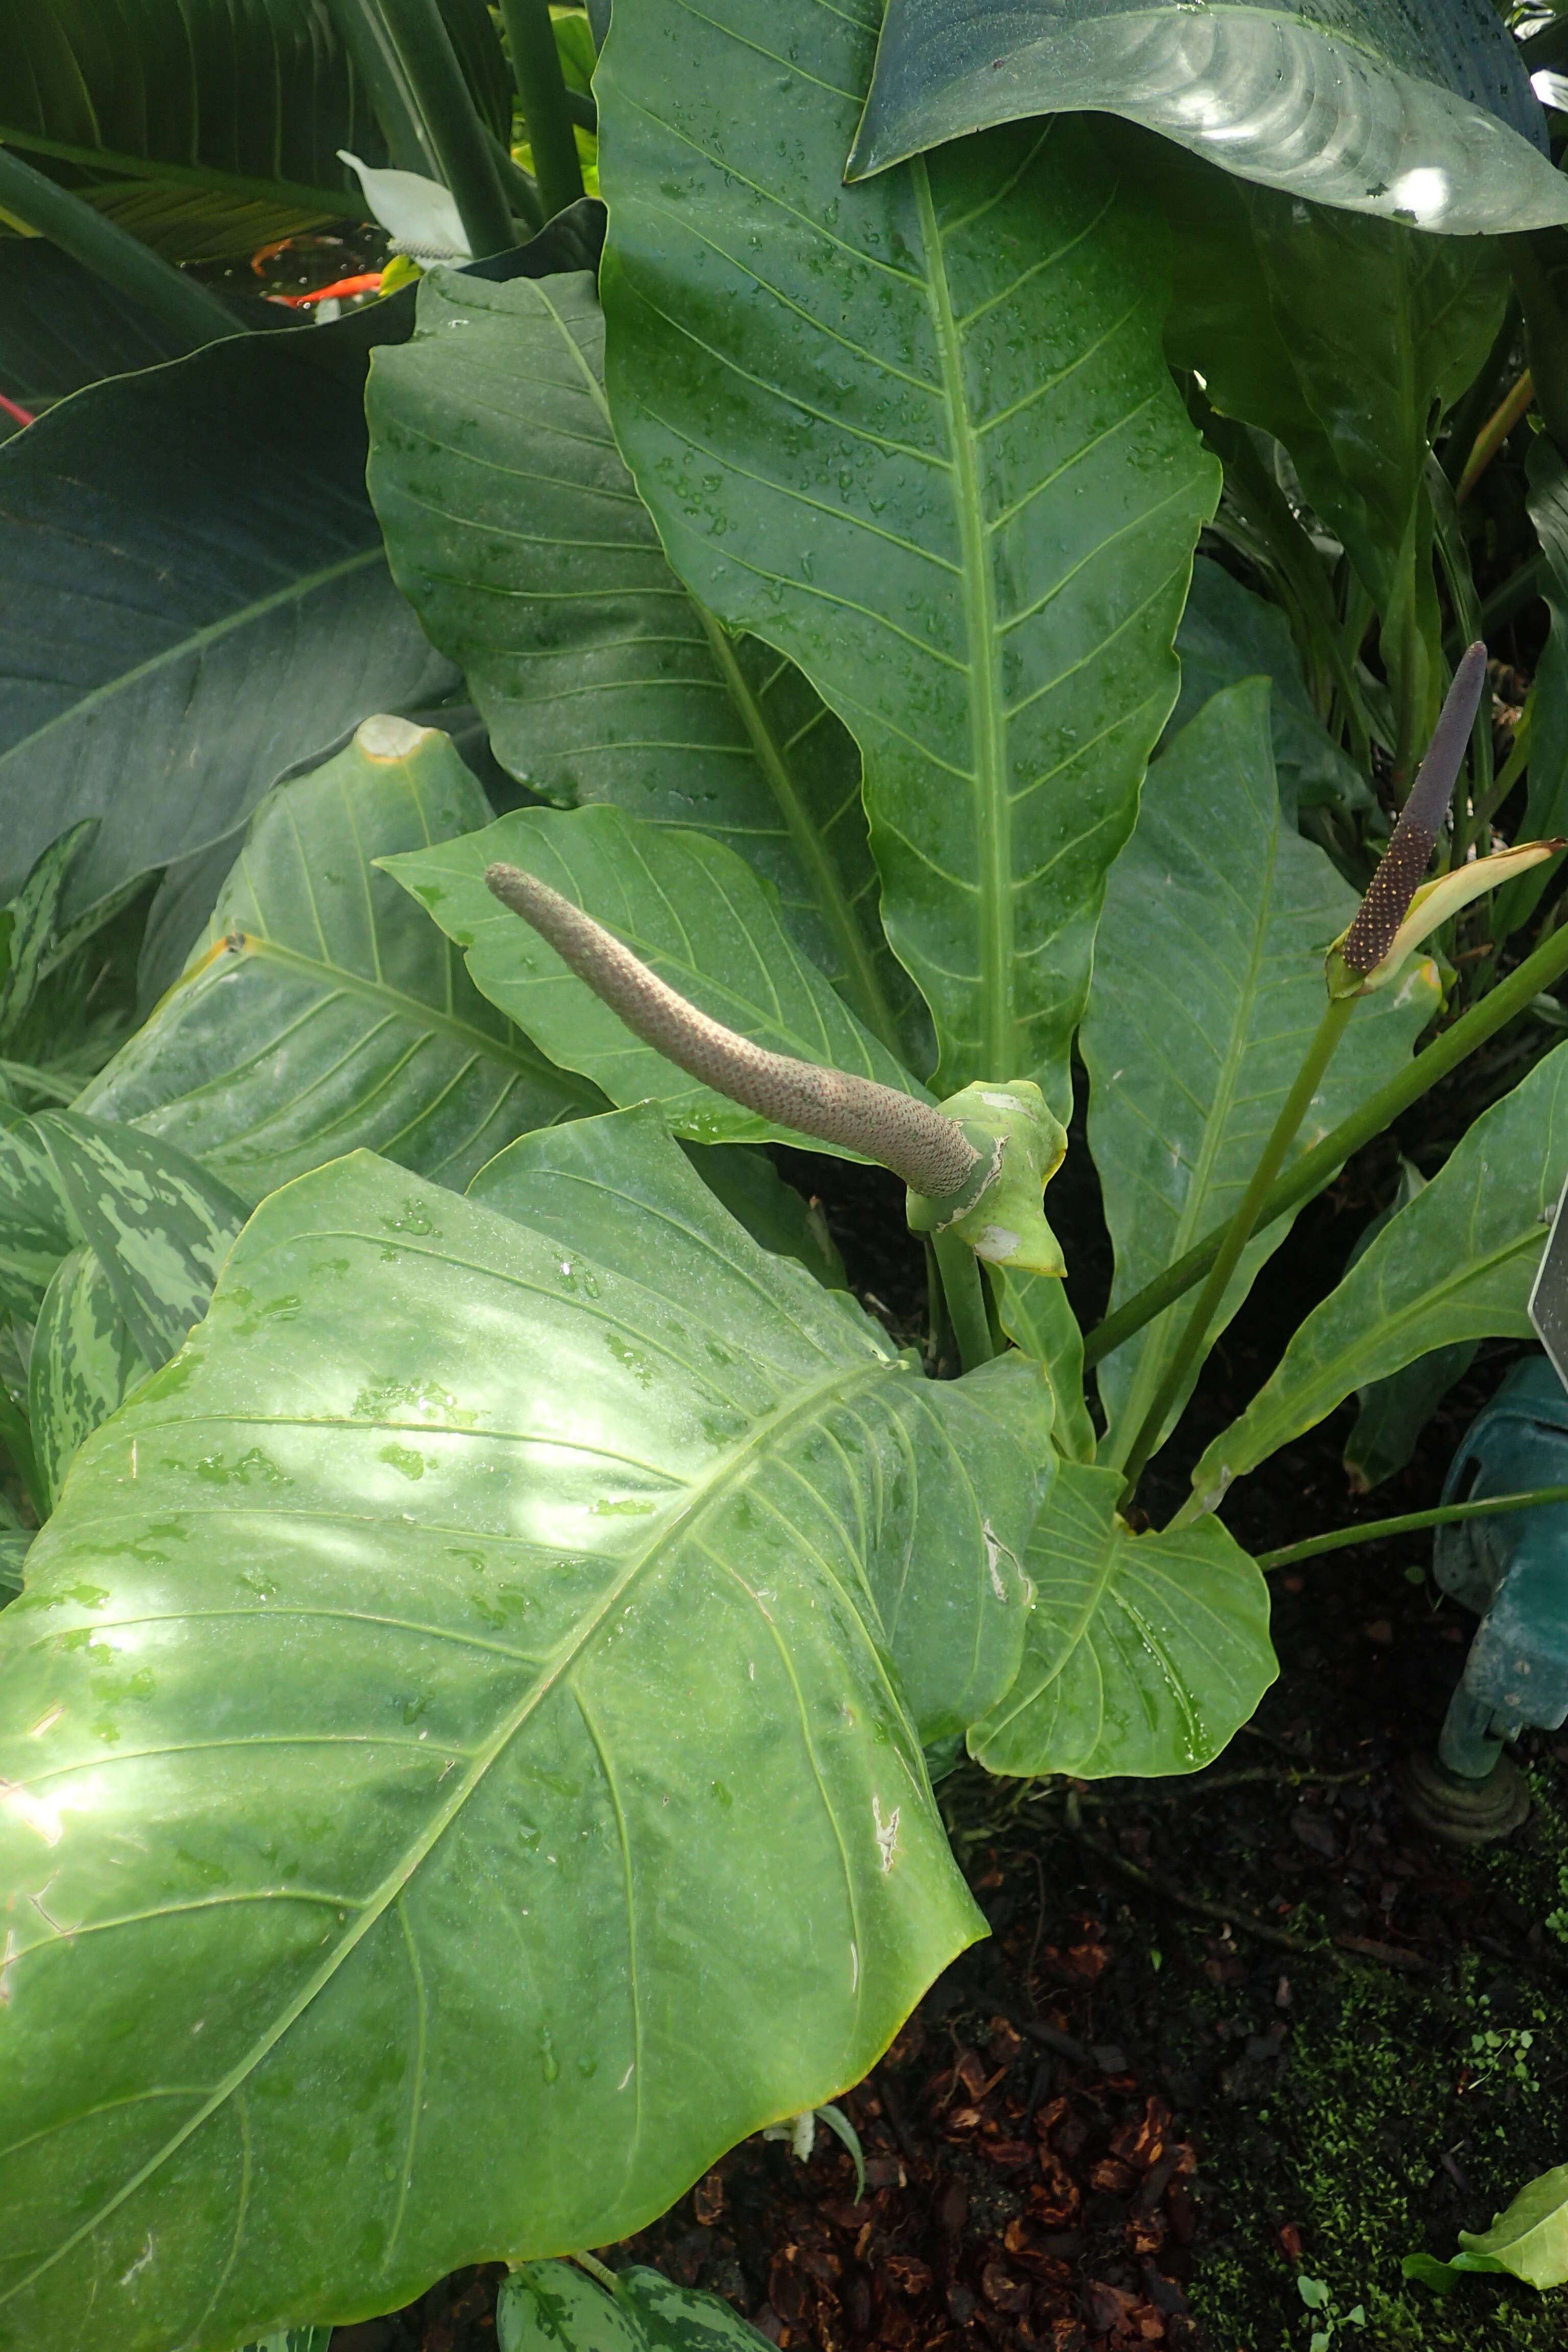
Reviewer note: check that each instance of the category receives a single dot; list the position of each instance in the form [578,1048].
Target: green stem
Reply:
[941,1327]
[1408,1523]
[1315,1168]
[542,87]
[363,32]
[188,312]
[430,64]
[596,2269]
[1494,433]
[1477,404]
[963,1289]
[521,191]
[1239,1232]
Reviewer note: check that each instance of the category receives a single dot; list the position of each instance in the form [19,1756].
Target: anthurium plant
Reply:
[909,643]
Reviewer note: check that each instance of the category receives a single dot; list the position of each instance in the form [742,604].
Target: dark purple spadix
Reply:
[1402,866]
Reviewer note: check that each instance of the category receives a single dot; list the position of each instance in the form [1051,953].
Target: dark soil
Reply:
[1228,2032]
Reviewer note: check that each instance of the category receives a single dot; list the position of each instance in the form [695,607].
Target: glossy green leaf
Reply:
[36,1229]
[1530,2240]
[1208,988]
[1228,634]
[177,635]
[1393,1412]
[373,1612]
[920,436]
[1345,338]
[32,922]
[555,2308]
[1456,1263]
[515,531]
[1382,326]
[1421,114]
[62,326]
[1035,1317]
[956,1631]
[322,1011]
[294,2339]
[1145,1654]
[15,1541]
[259,99]
[159,1224]
[1546,799]
[771,1210]
[690,909]
[83,1364]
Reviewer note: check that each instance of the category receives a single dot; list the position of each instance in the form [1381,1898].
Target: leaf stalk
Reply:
[1239,1232]
[963,1288]
[430,66]
[542,88]
[1316,1168]
[1408,1523]
[187,311]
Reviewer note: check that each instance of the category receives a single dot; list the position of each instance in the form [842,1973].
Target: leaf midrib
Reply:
[727,1473]
[335,980]
[988,725]
[864,985]
[196,641]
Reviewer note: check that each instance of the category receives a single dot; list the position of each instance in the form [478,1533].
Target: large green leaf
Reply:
[1456,1263]
[1530,2240]
[61,327]
[15,1542]
[1383,327]
[1145,1653]
[448,1710]
[515,531]
[82,1365]
[1422,115]
[1394,1411]
[689,908]
[920,436]
[556,2307]
[177,633]
[1546,803]
[1208,987]
[160,1225]
[322,1011]
[36,1229]
[953,1617]
[258,99]
[1228,634]
[157,1228]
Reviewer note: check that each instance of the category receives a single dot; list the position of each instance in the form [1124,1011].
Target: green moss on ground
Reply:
[1346,2141]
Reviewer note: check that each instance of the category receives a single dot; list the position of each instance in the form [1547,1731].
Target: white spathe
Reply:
[419,214]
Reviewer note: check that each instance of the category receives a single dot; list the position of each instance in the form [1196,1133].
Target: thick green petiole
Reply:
[1315,1168]
[963,1287]
[542,87]
[1408,1523]
[429,62]
[185,310]
[1239,1232]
